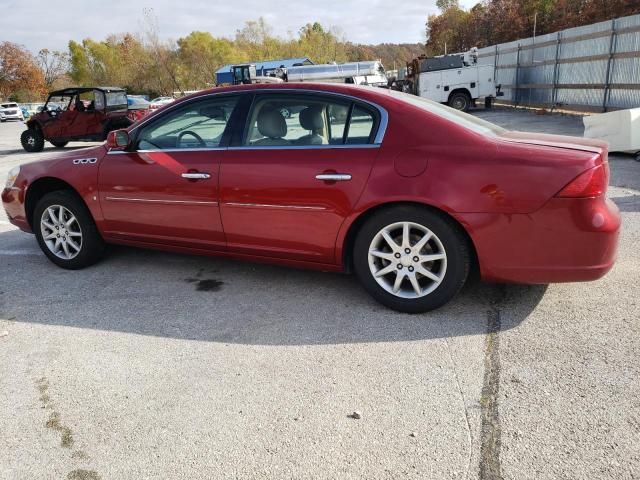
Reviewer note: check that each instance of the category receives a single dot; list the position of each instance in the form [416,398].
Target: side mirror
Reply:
[118,139]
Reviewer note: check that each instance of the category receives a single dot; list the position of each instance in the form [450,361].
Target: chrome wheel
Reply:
[61,232]
[407,259]
[31,141]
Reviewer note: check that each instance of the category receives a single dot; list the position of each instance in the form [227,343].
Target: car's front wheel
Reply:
[32,140]
[58,144]
[66,231]
[411,259]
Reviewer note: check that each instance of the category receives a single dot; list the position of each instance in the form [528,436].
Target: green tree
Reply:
[200,55]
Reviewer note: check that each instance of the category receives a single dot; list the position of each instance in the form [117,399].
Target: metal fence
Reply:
[591,68]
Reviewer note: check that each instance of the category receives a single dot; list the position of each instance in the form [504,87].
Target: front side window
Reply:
[308,120]
[99,100]
[199,124]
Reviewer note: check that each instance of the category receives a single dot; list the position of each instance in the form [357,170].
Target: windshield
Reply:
[463,119]
[58,102]
[9,105]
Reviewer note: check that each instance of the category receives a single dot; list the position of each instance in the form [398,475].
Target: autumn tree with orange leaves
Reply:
[20,77]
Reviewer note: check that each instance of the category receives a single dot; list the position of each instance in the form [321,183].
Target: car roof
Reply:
[76,90]
[358,91]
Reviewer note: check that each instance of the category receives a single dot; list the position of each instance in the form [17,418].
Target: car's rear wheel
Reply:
[32,140]
[58,144]
[411,259]
[66,231]
[460,101]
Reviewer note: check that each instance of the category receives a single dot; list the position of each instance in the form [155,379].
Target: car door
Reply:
[62,119]
[164,188]
[93,116]
[296,173]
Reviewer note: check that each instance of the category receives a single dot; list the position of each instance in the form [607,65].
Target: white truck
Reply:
[456,80]
[359,73]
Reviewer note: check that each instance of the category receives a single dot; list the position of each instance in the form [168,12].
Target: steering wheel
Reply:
[194,135]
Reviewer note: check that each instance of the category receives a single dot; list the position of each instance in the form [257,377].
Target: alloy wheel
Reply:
[407,259]
[61,232]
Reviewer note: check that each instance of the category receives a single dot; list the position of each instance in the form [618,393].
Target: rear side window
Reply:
[116,98]
[308,120]
[360,126]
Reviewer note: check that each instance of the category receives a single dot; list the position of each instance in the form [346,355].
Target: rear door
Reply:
[298,170]
[165,188]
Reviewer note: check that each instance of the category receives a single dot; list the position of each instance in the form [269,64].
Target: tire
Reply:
[32,140]
[58,144]
[460,101]
[89,246]
[286,113]
[488,102]
[446,238]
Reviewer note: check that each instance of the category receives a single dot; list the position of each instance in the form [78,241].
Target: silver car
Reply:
[11,111]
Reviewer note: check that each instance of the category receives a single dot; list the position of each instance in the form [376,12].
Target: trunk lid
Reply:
[557,141]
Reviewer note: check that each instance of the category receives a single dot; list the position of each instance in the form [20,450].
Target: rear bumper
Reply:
[13,203]
[568,240]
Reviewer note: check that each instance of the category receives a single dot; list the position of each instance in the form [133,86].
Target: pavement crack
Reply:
[491,430]
[81,474]
[464,408]
[54,422]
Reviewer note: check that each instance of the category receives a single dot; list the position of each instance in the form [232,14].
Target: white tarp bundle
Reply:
[620,128]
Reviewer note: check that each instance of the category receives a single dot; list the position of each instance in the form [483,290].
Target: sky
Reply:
[51,24]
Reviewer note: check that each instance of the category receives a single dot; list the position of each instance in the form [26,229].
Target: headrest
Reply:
[311,118]
[271,123]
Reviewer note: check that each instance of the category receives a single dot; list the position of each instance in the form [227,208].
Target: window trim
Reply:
[243,112]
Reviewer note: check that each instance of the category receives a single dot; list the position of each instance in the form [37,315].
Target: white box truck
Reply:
[456,80]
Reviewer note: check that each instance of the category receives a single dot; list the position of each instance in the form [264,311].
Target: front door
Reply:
[298,172]
[165,188]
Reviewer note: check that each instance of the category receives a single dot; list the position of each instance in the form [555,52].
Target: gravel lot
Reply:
[154,365]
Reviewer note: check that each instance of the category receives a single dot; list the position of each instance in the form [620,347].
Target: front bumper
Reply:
[13,116]
[567,240]
[13,203]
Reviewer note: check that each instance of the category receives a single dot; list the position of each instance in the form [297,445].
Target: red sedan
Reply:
[409,194]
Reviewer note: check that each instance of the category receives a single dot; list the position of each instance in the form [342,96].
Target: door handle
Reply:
[196,176]
[334,177]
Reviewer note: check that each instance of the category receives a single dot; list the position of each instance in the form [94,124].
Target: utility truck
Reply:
[359,73]
[456,80]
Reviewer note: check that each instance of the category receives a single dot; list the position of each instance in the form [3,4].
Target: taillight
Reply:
[591,183]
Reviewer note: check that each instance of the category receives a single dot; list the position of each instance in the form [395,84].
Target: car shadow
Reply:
[221,300]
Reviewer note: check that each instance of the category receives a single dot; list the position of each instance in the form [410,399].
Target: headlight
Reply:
[13,174]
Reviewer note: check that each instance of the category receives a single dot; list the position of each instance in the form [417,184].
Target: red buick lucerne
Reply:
[407,193]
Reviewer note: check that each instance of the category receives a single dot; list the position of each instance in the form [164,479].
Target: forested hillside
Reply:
[498,21]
